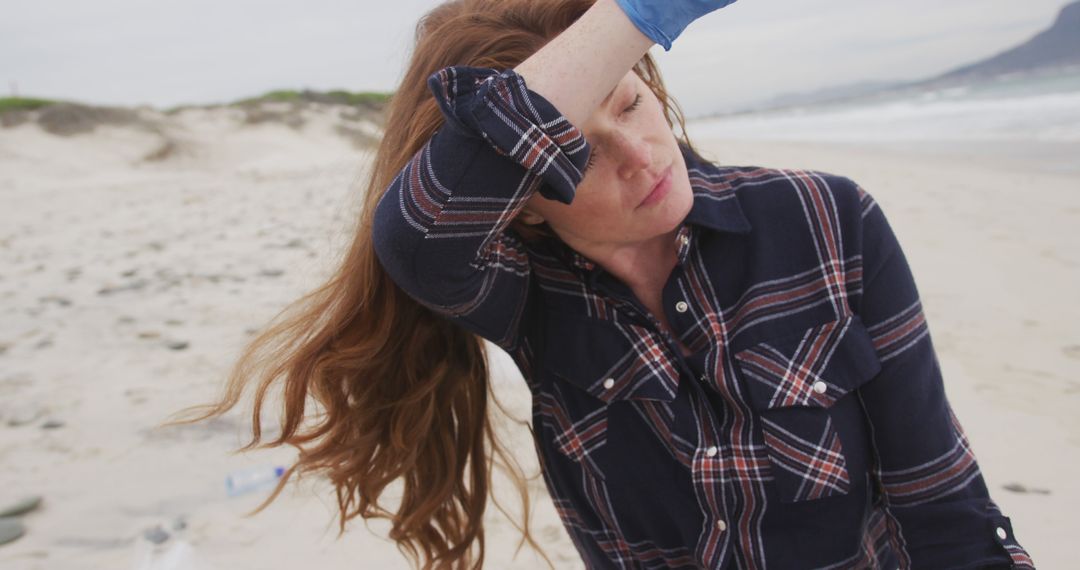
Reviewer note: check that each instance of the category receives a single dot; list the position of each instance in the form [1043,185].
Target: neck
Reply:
[642,266]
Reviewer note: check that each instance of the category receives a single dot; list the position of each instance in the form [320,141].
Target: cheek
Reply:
[593,209]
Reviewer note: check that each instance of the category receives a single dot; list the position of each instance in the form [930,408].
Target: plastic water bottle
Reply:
[252,479]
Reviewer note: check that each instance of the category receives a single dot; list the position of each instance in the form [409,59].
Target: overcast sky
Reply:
[167,52]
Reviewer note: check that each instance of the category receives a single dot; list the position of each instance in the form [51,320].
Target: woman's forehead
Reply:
[608,105]
[626,79]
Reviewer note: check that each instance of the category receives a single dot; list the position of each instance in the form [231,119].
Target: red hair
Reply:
[375,387]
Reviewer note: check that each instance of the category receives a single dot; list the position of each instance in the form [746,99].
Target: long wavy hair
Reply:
[375,388]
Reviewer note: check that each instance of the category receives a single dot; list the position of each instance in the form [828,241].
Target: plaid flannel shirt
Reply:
[808,429]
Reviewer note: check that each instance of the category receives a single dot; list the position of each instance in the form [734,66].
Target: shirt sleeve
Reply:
[941,514]
[441,228]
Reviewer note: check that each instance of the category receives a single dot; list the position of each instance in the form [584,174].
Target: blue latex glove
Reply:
[663,20]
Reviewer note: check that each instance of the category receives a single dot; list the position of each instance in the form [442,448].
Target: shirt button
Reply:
[681,306]
[704,378]
[609,383]
[711,451]
[685,240]
[820,387]
[1001,533]
[721,525]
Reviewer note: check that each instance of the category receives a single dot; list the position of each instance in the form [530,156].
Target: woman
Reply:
[729,366]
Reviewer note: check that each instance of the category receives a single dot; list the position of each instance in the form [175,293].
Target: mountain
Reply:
[1057,46]
[1049,51]
[824,95]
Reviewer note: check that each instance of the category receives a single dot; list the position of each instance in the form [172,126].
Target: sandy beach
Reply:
[135,263]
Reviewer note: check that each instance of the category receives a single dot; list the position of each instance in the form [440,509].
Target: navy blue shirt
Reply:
[808,428]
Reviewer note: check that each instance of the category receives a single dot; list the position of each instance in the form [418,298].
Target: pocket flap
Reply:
[812,368]
[611,361]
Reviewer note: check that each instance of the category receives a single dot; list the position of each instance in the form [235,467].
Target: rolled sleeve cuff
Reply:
[969,534]
[1001,527]
[517,122]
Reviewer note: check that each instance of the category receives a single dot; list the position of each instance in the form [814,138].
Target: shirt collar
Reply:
[715,204]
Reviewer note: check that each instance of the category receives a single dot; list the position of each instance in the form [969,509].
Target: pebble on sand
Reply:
[156,534]
[1020,488]
[52,424]
[23,416]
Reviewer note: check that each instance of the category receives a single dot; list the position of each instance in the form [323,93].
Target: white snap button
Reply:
[711,451]
[609,383]
[721,525]
[685,240]
[1001,533]
[704,378]
[820,387]
[681,306]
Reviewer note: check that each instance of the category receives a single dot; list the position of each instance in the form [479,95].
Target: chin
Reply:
[681,202]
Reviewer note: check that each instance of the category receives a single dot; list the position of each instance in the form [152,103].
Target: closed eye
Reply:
[592,152]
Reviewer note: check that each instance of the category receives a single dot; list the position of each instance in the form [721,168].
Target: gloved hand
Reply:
[663,20]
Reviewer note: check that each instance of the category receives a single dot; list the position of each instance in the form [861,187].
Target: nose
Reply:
[634,151]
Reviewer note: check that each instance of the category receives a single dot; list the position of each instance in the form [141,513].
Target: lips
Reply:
[656,186]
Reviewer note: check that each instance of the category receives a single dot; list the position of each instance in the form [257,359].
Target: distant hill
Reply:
[1058,46]
[829,94]
[288,107]
[1054,48]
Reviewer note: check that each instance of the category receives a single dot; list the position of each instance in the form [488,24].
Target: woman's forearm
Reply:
[577,69]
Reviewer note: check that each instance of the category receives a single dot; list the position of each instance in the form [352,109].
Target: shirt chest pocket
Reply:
[590,366]
[792,382]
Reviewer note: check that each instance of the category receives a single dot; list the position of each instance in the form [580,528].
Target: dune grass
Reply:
[335,96]
[355,98]
[23,103]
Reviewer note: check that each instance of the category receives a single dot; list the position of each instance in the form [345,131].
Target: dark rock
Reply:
[156,534]
[10,529]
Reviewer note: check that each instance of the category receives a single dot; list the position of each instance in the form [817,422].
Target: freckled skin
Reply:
[631,150]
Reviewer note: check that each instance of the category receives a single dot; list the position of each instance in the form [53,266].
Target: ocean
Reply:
[1034,120]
